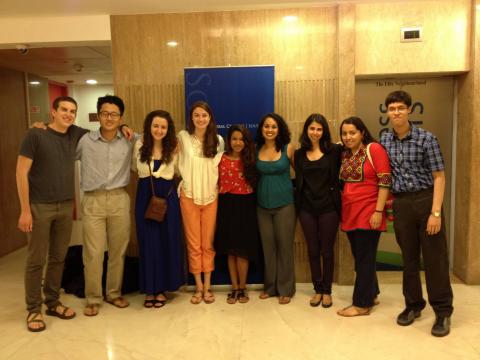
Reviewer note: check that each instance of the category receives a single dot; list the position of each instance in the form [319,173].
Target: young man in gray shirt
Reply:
[45,183]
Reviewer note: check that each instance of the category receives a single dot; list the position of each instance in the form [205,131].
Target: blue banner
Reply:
[237,95]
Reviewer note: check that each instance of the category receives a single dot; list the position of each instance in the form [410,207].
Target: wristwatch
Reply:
[436,214]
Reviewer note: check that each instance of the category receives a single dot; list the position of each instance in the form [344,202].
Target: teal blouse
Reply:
[274,188]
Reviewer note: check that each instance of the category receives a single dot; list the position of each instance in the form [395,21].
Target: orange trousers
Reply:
[199,225]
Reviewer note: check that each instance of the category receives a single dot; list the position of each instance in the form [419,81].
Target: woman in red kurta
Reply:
[365,172]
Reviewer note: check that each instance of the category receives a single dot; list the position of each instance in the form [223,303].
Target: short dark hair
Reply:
[111,99]
[399,96]
[59,99]
[325,141]
[360,125]
[283,137]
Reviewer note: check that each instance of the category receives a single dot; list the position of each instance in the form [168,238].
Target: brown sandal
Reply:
[32,319]
[284,300]
[264,296]
[352,310]
[91,310]
[62,313]
[208,296]
[119,302]
[197,297]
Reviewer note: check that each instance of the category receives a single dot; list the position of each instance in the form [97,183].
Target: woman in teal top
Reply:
[275,211]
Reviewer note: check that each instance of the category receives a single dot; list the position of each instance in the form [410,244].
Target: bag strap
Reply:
[151,182]
[151,178]
[370,157]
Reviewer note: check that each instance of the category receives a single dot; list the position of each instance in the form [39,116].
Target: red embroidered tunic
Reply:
[231,178]
[361,183]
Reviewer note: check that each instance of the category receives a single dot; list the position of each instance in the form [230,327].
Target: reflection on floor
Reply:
[260,329]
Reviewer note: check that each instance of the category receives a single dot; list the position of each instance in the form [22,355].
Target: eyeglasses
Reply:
[106,114]
[400,109]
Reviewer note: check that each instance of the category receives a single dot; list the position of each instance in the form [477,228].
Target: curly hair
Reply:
[325,140]
[169,142]
[211,142]
[360,125]
[247,155]
[283,137]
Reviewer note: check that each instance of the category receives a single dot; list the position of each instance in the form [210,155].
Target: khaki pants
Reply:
[106,223]
[51,233]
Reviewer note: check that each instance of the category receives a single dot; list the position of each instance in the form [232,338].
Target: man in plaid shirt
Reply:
[418,187]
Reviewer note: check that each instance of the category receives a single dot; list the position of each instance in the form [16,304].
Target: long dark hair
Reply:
[247,155]
[325,140]
[210,142]
[359,124]
[169,142]
[283,137]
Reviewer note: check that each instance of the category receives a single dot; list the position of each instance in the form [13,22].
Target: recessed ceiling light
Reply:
[34,82]
[290,18]
[91,81]
[172,43]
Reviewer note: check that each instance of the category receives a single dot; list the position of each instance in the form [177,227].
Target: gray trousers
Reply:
[51,233]
[277,231]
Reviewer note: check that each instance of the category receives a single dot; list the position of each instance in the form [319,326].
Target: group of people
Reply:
[231,197]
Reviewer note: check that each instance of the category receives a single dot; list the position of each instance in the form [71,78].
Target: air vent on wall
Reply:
[410,34]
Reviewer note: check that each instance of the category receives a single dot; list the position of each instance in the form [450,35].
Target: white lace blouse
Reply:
[165,171]
[199,173]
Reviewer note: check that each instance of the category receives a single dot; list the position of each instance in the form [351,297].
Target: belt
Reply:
[103,191]
[413,193]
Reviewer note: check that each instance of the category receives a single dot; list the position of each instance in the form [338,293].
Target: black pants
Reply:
[320,232]
[364,245]
[411,212]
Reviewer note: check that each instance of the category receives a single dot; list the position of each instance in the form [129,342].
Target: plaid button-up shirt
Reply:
[413,159]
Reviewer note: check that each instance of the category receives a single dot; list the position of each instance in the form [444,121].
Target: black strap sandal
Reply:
[60,314]
[232,297]
[149,303]
[242,296]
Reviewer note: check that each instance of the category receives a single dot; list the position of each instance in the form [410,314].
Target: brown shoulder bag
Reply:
[157,207]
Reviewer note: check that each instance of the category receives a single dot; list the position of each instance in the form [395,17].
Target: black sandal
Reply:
[62,314]
[149,303]
[33,319]
[242,296]
[232,297]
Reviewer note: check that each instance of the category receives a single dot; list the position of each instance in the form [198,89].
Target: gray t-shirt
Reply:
[51,176]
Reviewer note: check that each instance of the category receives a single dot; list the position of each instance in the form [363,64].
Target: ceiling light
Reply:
[91,81]
[34,82]
[172,43]
[290,18]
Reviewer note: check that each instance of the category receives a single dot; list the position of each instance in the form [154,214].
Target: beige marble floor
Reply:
[260,329]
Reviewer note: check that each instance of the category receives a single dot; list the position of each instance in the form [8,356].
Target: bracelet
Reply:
[379,211]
